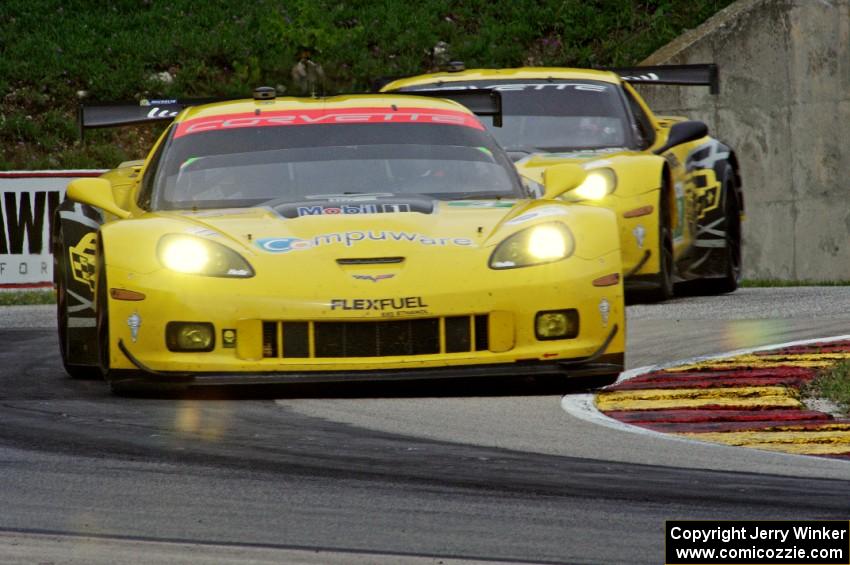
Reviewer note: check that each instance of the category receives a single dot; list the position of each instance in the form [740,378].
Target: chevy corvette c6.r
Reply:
[676,190]
[357,237]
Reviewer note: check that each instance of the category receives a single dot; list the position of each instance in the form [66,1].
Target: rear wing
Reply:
[684,75]
[114,114]
[482,102]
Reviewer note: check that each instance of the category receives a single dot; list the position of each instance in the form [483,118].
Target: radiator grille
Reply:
[380,338]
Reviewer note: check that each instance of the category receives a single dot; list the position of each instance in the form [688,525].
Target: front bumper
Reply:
[510,300]
[600,364]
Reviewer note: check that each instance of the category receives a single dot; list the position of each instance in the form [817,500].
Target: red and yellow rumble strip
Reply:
[749,400]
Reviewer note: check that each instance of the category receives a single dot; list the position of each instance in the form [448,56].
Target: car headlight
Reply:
[543,243]
[197,256]
[598,184]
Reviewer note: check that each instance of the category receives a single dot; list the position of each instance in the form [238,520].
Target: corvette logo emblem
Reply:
[373,278]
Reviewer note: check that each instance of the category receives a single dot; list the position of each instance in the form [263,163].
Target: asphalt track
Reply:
[374,474]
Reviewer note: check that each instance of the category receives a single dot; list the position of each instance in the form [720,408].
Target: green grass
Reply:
[27,297]
[770,283]
[51,49]
[832,384]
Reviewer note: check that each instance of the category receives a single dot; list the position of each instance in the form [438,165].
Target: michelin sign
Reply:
[28,200]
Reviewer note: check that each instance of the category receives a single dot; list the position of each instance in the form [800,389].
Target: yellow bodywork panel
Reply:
[692,189]
[353,281]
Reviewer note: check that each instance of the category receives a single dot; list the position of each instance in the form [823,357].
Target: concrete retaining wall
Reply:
[784,105]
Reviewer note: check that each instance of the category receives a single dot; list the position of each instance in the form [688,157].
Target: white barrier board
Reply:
[28,200]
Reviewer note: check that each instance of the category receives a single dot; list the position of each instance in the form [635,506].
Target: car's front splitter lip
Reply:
[601,367]
[597,364]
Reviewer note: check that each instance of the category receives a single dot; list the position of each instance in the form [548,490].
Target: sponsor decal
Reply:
[481,203]
[374,278]
[378,304]
[648,77]
[352,238]
[156,112]
[323,210]
[331,116]
[704,187]
[283,244]
[604,311]
[640,235]
[82,258]
[134,322]
[704,192]
[520,87]
[374,205]
[162,102]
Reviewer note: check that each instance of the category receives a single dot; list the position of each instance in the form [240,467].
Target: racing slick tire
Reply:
[102,317]
[729,263]
[732,228]
[74,370]
[103,344]
[663,280]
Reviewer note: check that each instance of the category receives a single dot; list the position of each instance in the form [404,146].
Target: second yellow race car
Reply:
[675,189]
[374,237]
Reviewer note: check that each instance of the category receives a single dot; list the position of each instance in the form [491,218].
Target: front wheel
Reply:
[69,337]
[728,282]
[664,278]
[102,316]
[727,273]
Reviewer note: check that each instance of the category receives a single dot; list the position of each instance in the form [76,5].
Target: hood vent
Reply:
[371,261]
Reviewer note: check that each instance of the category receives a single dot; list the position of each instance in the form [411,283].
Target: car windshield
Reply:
[541,115]
[249,166]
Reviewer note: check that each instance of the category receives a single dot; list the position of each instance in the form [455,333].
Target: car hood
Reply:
[358,229]
[452,234]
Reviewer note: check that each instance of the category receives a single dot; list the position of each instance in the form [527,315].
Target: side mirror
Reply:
[95,192]
[558,179]
[683,132]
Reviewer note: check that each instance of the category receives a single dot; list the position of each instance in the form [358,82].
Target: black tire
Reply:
[102,316]
[74,370]
[664,278]
[728,282]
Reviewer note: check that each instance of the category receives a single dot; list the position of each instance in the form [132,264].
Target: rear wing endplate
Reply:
[483,102]
[685,75]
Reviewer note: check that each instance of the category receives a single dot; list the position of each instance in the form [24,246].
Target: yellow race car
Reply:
[676,190]
[288,240]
